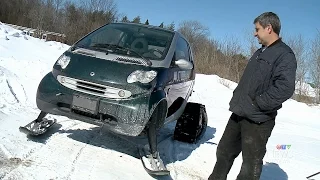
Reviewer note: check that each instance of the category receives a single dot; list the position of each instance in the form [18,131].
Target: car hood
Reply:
[110,70]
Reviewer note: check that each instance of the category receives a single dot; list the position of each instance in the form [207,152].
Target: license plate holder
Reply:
[85,104]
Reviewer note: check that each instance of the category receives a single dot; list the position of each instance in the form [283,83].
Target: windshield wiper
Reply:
[74,47]
[100,47]
[117,47]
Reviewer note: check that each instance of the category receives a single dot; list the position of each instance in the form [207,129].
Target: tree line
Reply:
[64,16]
[227,58]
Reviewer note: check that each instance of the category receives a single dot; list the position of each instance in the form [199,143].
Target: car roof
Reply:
[144,25]
[151,26]
[176,33]
[154,27]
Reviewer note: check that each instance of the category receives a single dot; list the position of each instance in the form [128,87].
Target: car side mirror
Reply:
[184,64]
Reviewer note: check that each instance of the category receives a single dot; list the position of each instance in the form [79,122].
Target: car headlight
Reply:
[141,76]
[63,61]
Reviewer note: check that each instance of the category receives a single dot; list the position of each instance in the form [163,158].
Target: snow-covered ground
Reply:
[77,150]
[305,89]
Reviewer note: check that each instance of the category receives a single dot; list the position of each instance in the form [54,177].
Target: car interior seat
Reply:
[140,45]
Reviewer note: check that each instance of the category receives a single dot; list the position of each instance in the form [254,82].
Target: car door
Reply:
[181,79]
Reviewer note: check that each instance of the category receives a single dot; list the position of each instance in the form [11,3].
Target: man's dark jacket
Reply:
[268,81]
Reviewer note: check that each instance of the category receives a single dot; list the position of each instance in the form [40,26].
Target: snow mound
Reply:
[306,89]
[57,45]
[6,32]
[11,89]
[24,61]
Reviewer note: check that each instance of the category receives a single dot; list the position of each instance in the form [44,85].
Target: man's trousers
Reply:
[248,137]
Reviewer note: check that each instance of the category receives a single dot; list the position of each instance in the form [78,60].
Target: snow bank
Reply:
[306,89]
[24,60]
[12,91]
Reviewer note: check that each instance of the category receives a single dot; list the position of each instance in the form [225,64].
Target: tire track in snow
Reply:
[12,92]
[8,163]
[39,159]
[50,138]
[15,87]
[74,162]
[26,161]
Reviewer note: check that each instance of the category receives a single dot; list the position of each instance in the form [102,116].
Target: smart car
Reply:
[129,77]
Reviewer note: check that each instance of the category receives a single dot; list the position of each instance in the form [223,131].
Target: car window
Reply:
[104,36]
[151,43]
[182,49]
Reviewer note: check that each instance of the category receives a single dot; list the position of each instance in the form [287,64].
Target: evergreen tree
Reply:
[161,25]
[147,22]
[136,20]
[171,26]
[125,19]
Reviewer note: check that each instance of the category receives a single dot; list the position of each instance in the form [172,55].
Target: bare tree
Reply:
[36,14]
[251,41]
[99,5]
[214,57]
[315,67]
[197,35]
[231,48]
[58,16]
[298,45]
[74,22]
[99,12]
[195,32]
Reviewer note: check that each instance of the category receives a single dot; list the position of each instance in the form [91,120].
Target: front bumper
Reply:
[126,116]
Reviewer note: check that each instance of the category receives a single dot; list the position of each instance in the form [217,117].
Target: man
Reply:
[267,82]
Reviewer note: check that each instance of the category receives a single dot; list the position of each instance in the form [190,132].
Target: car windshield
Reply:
[146,42]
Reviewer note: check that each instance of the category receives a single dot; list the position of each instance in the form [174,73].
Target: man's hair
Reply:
[269,18]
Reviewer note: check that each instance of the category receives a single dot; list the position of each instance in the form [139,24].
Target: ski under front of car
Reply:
[36,128]
[152,163]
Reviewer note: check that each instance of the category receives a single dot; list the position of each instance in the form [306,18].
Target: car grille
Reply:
[131,60]
[93,88]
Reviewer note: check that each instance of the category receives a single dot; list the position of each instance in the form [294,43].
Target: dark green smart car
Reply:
[131,78]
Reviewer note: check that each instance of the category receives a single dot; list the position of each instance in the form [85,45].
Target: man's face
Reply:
[262,33]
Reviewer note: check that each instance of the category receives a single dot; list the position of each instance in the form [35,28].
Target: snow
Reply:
[305,89]
[76,150]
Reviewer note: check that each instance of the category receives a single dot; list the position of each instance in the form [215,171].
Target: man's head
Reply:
[267,28]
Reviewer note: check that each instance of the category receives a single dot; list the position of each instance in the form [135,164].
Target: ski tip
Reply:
[27,131]
[37,128]
[151,172]
[159,173]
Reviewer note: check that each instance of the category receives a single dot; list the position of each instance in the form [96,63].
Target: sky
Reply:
[228,18]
